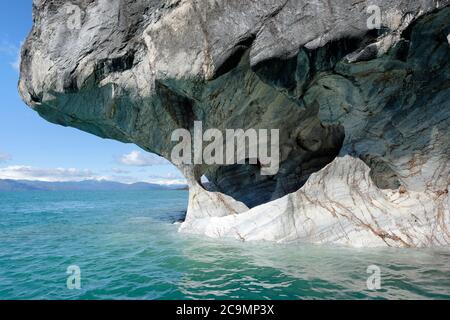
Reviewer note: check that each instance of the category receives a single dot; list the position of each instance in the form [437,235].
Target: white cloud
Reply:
[65,175]
[140,159]
[115,178]
[4,157]
[169,179]
[168,182]
[16,64]
[44,174]
[11,50]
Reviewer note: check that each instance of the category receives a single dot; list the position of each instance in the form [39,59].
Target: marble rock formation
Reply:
[363,112]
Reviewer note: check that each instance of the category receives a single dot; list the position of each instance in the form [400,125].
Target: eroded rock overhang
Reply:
[363,114]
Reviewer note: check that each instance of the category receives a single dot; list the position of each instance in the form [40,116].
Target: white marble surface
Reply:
[338,205]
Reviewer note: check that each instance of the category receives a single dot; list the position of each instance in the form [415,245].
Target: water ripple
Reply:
[128,248]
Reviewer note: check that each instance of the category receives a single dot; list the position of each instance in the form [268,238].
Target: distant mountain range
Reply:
[88,185]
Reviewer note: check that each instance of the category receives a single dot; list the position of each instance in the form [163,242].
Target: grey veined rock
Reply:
[360,91]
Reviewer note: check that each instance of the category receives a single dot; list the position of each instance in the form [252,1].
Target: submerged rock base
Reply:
[338,205]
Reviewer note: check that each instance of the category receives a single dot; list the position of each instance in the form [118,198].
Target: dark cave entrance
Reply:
[306,154]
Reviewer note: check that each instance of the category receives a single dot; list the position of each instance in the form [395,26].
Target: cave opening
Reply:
[310,150]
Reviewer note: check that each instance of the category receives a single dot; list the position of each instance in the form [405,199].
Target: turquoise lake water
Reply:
[127,247]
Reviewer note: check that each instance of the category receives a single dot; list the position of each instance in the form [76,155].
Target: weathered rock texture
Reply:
[364,115]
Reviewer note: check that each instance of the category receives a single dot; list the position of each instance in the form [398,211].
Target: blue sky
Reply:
[33,149]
